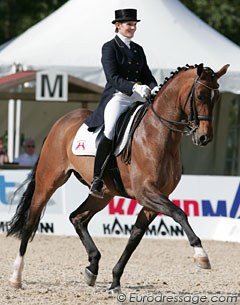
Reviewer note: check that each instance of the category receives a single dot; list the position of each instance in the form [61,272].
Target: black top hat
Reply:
[128,14]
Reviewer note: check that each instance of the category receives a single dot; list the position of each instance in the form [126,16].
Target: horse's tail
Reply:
[17,223]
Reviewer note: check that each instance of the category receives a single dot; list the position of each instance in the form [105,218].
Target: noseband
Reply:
[193,120]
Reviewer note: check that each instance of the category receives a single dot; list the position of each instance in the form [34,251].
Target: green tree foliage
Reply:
[16,16]
[222,15]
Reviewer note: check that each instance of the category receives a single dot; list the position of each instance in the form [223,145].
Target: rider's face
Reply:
[127,29]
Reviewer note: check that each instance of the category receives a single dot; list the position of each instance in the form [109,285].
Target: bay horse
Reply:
[186,99]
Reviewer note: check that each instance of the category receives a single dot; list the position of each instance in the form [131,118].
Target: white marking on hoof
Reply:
[115,291]
[89,277]
[16,278]
[201,258]
[16,285]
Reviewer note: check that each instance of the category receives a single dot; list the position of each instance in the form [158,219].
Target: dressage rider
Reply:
[129,79]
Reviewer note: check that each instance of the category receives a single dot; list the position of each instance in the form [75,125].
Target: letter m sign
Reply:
[51,85]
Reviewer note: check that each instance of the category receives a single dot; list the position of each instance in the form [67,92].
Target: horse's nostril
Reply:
[204,139]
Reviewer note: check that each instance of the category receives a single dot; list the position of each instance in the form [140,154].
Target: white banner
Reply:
[211,202]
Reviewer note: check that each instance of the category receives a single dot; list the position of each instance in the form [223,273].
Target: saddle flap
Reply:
[123,121]
[85,142]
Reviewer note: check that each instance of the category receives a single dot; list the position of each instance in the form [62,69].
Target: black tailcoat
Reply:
[123,67]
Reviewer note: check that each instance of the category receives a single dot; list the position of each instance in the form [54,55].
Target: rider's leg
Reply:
[115,107]
[103,152]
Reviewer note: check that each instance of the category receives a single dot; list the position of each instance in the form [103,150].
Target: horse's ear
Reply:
[222,71]
[199,69]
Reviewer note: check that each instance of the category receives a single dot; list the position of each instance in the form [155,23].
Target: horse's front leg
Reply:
[144,218]
[80,219]
[161,204]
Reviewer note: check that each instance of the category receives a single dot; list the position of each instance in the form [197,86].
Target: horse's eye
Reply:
[200,97]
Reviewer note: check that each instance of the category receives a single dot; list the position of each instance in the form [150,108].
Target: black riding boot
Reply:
[103,152]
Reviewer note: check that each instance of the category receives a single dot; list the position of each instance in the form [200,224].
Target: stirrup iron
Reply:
[96,188]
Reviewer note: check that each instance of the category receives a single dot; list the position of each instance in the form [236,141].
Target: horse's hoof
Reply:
[202,262]
[16,285]
[89,277]
[115,291]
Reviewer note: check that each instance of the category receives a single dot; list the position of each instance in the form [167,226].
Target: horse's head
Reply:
[201,99]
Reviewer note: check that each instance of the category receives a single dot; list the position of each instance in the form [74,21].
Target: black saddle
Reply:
[122,124]
[123,121]
[120,128]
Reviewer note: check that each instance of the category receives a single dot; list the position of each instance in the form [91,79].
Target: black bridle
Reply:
[193,120]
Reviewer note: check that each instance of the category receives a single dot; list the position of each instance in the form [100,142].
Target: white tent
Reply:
[172,36]
[70,40]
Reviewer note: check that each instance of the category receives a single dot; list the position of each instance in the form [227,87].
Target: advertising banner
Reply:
[212,204]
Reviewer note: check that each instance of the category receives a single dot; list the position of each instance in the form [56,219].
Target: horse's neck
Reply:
[167,106]
[159,133]
[173,95]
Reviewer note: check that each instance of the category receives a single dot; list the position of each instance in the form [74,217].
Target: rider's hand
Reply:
[143,90]
[155,90]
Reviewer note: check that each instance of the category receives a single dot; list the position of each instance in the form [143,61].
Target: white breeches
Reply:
[119,103]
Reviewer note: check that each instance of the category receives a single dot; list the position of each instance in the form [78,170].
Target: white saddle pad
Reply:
[85,142]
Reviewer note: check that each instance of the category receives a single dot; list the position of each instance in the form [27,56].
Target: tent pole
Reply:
[19,68]
[17,131]
[10,129]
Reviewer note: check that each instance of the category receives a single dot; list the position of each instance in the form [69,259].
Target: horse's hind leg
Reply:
[26,233]
[25,222]
[80,219]
[143,220]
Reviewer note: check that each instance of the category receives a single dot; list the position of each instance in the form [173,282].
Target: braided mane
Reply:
[179,69]
[126,153]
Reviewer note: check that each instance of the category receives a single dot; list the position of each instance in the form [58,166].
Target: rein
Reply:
[193,122]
